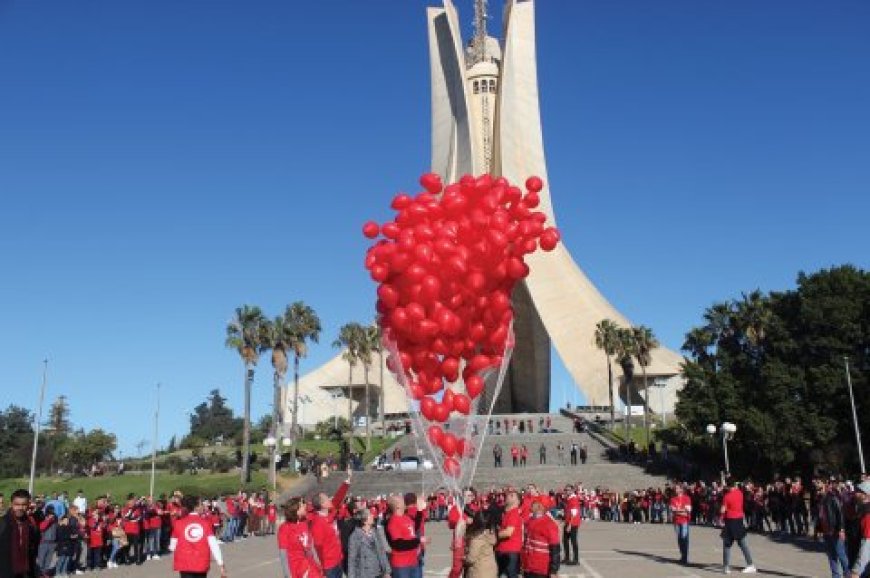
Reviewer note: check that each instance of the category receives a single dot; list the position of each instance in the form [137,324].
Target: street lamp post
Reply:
[154,444]
[36,426]
[270,442]
[854,416]
[727,430]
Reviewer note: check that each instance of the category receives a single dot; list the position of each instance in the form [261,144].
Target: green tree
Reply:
[213,419]
[351,337]
[773,365]
[607,340]
[246,334]
[16,437]
[644,343]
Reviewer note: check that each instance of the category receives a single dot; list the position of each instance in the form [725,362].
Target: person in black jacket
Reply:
[834,530]
[19,539]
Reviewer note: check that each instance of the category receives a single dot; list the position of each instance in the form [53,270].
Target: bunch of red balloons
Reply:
[446,267]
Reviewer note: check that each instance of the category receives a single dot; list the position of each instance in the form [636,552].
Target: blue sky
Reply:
[164,162]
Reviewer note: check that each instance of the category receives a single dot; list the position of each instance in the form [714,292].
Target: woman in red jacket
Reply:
[295,545]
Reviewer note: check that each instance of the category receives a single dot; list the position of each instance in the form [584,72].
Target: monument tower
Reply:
[486,119]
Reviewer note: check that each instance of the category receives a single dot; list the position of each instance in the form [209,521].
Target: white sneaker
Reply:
[79,572]
[751,569]
[726,570]
[155,557]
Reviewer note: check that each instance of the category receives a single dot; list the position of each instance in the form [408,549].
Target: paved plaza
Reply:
[607,551]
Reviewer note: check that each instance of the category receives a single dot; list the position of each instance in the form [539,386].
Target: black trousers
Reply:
[508,564]
[569,538]
[533,575]
[193,574]
[136,542]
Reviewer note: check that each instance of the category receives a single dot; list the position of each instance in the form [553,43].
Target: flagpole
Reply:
[36,426]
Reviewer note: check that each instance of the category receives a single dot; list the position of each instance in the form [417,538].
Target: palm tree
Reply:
[625,351]
[246,333]
[276,339]
[302,325]
[350,337]
[645,341]
[369,343]
[607,341]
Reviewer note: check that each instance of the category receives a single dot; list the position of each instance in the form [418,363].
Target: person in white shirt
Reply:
[81,502]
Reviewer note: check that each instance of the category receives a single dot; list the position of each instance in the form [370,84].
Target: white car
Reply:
[408,464]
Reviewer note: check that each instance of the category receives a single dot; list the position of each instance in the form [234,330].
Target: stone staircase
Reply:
[598,471]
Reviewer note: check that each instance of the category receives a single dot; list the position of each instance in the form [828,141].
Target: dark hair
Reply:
[291,508]
[480,521]
[410,499]
[20,493]
[189,503]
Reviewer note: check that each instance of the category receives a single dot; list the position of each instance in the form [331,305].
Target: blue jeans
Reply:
[334,572]
[230,532]
[682,531]
[835,548]
[405,571]
[116,545]
[63,566]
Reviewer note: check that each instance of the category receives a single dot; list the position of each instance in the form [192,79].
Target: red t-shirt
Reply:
[192,553]
[733,503]
[682,502]
[295,540]
[514,544]
[402,528]
[324,532]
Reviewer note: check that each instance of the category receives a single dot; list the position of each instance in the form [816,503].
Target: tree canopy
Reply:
[773,364]
[213,419]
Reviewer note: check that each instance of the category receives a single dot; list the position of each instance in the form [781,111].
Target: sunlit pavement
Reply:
[606,550]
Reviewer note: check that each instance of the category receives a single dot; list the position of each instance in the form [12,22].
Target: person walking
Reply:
[542,455]
[734,531]
[47,541]
[496,455]
[480,556]
[515,454]
[574,450]
[681,510]
[571,527]
[510,537]
[862,559]
[194,543]
[560,449]
[524,455]
[366,555]
[833,526]
[295,545]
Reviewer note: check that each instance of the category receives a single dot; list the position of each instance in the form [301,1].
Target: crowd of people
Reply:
[499,532]
[70,536]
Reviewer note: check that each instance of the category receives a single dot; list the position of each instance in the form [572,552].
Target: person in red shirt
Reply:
[681,508]
[324,530]
[295,545]
[732,515]
[194,543]
[510,535]
[541,551]
[96,528]
[571,527]
[272,517]
[132,516]
[457,519]
[403,535]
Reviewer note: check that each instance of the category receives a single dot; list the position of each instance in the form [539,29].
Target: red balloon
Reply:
[401,201]
[427,408]
[441,413]
[532,200]
[461,403]
[380,273]
[435,434]
[431,182]
[452,467]
[371,229]
[550,238]
[417,392]
[448,398]
[390,230]
[516,269]
[534,184]
[474,386]
[448,444]
[389,295]
[479,362]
